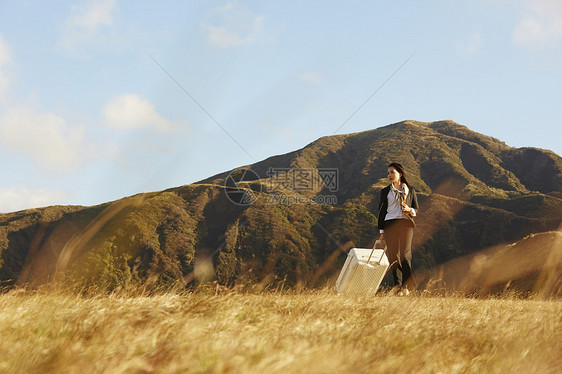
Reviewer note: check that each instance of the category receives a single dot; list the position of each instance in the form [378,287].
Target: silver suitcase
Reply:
[363,270]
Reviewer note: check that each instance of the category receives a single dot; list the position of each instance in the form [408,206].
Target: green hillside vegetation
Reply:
[475,192]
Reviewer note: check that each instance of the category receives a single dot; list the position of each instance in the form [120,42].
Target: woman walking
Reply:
[397,208]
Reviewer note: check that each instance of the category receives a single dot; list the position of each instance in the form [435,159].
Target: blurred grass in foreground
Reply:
[314,332]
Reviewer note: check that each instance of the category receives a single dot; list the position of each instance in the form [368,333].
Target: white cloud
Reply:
[232,25]
[5,53]
[130,111]
[5,60]
[19,198]
[313,78]
[45,137]
[471,46]
[85,21]
[540,24]
[91,15]
[528,31]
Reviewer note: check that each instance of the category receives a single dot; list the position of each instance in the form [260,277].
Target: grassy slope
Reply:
[312,332]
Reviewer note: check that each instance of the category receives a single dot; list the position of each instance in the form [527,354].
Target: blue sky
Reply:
[89,112]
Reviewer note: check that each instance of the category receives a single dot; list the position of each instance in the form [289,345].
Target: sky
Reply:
[105,99]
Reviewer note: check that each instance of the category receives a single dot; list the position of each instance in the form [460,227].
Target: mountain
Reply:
[238,227]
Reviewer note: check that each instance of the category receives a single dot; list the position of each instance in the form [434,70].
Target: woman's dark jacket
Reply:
[411,201]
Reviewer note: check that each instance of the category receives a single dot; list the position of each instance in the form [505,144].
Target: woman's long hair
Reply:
[399,168]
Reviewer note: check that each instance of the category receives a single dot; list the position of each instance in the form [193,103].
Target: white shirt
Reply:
[394,210]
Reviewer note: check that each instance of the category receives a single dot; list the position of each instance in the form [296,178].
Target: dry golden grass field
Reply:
[308,332]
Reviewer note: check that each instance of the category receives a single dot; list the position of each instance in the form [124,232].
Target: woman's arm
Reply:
[415,204]
[381,212]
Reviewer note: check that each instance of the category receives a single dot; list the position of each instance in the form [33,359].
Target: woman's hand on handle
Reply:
[381,238]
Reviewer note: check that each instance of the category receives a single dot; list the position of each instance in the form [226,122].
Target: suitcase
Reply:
[363,270]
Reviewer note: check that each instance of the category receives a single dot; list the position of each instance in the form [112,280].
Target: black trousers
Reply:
[398,234]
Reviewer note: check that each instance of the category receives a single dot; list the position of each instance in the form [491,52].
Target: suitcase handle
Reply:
[373,250]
